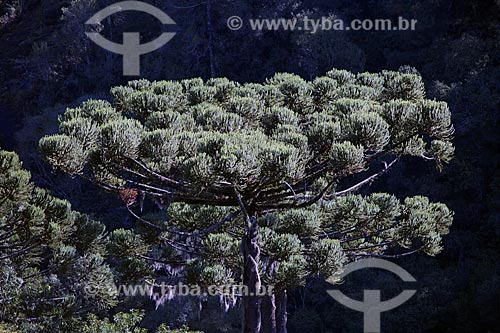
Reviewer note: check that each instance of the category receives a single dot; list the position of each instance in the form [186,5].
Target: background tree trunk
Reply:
[251,278]
[281,314]
[210,33]
[268,309]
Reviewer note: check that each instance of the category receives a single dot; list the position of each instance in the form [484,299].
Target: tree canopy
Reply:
[275,165]
[50,256]
[200,140]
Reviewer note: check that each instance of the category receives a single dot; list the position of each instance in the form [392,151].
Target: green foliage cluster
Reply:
[124,323]
[320,240]
[50,256]
[53,274]
[219,132]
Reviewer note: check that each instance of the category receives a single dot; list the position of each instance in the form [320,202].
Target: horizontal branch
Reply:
[387,255]
[363,182]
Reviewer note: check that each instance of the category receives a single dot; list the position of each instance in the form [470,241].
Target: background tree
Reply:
[272,165]
[50,256]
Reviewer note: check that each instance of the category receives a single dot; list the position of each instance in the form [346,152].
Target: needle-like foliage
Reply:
[274,165]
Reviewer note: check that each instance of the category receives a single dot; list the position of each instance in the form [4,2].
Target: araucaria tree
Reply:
[50,256]
[256,182]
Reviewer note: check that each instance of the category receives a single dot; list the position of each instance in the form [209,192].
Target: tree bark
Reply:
[281,314]
[268,309]
[251,278]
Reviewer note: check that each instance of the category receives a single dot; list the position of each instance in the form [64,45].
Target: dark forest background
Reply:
[47,64]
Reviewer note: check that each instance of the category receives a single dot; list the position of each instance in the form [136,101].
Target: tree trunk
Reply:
[210,33]
[281,314]
[251,278]
[268,309]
